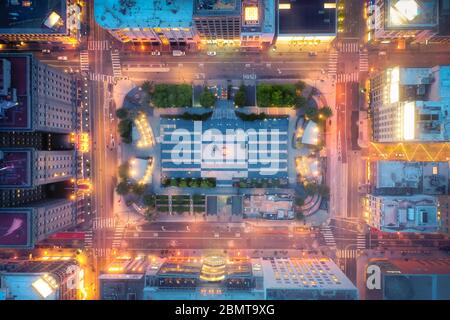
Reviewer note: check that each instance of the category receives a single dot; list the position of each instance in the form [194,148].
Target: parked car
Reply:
[211,53]
[156,53]
[62,58]
[46,51]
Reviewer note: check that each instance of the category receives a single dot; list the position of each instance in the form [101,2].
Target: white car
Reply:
[46,51]
[156,53]
[62,58]
[211,53]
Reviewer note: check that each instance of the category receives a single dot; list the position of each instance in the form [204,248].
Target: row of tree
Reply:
[189,182]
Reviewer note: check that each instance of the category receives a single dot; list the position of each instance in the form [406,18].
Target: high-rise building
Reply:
[413,20]
[35,96]
[218,20]
[56,21]
[38,164]
[215,277]
[415,213]
[258,23]
[159,22]
[59,279]
[425,278]
[411,105]
[309,21]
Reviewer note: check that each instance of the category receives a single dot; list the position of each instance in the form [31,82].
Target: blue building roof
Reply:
[112,14]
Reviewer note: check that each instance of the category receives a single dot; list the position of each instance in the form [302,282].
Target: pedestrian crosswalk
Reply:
[84,60]
[347,254]
[98,45]
[88,239]
[361,241]
[118,236]
[328,236]
[348,47]
[332,63]
[101,77]
[101,252]
[117,68]
[103,223]
[347,77]
[363,62]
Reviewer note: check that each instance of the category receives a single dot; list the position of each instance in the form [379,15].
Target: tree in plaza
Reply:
[146,86]
[123,188]
[277,98]
[123,170]
[240,97]
[173,182]
[326,112]
[264,95]
[124,128]
[311,112]
[138,188]
[324,191]
[122,113]
[300,102]
[311,189]
[299,216]
[207,99]
[299,201]
[183,184]
[300,85]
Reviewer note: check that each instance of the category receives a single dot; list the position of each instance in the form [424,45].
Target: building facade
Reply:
[56,21]
[411,105]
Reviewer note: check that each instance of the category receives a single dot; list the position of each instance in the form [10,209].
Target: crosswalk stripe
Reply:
[84,61]
[98,45]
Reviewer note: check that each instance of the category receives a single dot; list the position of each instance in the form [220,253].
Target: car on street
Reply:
[156,53]
[382,53]
[47,51]
[178,53]
[312,53]
[62,58]
[211,53]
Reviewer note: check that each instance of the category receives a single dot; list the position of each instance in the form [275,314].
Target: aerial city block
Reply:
[224,150]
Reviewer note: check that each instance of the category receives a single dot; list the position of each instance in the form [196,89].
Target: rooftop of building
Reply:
[117,14]
[56,267]
[268,204]
[15,107]
[421,266]
[307,17]
[15,228]
[304,273]
[217,7]
[416,213]
[36,17]
[411,14]
[426,177]
[16,168]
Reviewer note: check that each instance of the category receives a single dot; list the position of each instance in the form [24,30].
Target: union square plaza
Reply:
[224,149]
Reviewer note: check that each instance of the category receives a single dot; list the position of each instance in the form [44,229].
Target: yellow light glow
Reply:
[394,94]
[329,5]
[409,116]
[251,14]
[284,6]
[42,287]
